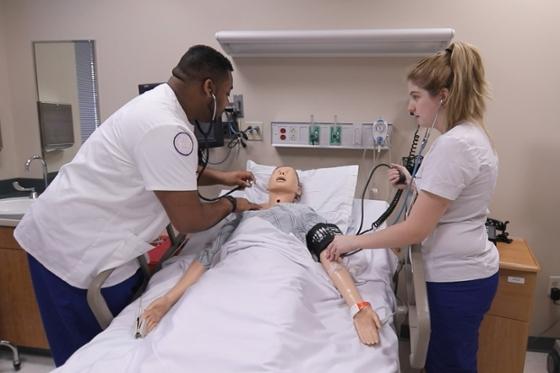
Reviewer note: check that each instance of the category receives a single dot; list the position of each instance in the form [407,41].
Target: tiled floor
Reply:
[534,363]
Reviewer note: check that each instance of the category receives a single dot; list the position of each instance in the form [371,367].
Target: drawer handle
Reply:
[516,280]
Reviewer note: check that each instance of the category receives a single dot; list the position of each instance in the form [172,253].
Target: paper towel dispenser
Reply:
[56,126]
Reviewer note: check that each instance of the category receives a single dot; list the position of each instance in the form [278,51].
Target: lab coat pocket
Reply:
[129,248]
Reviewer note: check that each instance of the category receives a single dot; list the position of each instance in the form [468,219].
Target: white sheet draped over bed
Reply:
[266,306]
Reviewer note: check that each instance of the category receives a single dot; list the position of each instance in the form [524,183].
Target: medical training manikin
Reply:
[285,214]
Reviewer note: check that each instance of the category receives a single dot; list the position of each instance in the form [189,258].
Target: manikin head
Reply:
[202,82]
[284,185]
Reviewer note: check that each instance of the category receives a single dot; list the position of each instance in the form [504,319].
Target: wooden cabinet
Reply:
[505,328]
[20,321]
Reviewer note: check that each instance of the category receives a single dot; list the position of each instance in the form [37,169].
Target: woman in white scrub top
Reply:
[136,173]
[455,184]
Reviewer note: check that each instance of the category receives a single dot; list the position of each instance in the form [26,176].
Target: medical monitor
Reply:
[208,136]
[147,86]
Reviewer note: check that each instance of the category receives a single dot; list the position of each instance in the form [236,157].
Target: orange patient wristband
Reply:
[358,307]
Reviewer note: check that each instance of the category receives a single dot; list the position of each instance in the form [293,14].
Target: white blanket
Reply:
[265,307]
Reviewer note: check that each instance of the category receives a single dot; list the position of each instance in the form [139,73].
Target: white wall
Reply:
[8,153]
[139,41]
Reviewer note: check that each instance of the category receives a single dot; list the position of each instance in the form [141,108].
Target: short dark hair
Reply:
[202,62]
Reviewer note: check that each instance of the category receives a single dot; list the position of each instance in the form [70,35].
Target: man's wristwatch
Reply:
[233,202]
[358,307]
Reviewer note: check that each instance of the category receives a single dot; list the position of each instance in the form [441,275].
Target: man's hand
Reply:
[243,205]
[238,178]
[367,324]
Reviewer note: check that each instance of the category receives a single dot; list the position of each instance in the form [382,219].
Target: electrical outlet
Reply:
[553,282]
[335,135]
[357,134]
[253,130]
[314,135]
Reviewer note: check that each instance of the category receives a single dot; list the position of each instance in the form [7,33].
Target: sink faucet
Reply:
[19,188]
[43,164]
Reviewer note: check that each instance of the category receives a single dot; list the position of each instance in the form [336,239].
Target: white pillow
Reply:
[330,191]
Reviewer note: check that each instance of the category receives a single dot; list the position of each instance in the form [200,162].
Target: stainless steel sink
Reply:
[13,209]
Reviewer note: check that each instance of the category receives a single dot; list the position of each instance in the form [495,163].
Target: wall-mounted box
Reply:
[56,126]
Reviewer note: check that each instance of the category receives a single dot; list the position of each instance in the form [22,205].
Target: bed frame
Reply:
[95,299]
[417,306]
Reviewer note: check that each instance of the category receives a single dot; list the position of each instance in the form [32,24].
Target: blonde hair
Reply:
[458,68]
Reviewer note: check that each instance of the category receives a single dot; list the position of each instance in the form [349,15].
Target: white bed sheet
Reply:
[257,310]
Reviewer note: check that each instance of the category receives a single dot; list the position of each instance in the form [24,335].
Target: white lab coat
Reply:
[100,211]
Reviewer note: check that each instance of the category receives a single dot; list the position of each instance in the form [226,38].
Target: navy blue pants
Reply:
[456,311]
[67,318]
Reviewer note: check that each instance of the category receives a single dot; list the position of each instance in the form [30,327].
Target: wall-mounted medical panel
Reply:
[331,135]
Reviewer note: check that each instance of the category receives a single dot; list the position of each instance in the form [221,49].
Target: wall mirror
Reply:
[67,100]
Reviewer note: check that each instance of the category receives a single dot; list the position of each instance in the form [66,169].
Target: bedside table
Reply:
[505,328]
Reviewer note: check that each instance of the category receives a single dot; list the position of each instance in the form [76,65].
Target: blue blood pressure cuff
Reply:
[319,237]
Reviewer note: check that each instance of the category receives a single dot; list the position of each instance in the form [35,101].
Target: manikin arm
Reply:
[159,307]
[366,320]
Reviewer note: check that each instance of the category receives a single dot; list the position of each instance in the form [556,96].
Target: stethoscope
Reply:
[417,160]
[409,190]
[423,144]
[205,158]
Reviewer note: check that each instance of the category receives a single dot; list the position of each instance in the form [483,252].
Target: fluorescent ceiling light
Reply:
[335,43]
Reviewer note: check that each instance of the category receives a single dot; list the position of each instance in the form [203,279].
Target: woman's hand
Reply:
[238,178]
[399,176]
[367,324]
[155,312]
[339,245]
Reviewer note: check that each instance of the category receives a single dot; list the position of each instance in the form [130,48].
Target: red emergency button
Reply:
[282,130]
[282,137]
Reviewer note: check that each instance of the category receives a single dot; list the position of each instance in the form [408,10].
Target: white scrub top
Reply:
[100,211]
[461,166]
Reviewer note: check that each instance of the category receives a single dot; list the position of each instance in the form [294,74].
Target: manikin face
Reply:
[284,180]
[424,106]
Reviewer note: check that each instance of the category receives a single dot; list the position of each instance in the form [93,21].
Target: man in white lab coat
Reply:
[137,172]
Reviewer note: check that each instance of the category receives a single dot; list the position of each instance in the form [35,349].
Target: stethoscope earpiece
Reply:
[214,106]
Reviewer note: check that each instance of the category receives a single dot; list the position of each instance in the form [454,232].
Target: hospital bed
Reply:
[307,329]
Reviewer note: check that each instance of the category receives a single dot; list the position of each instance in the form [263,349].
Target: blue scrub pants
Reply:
[456,311]
[67,318]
